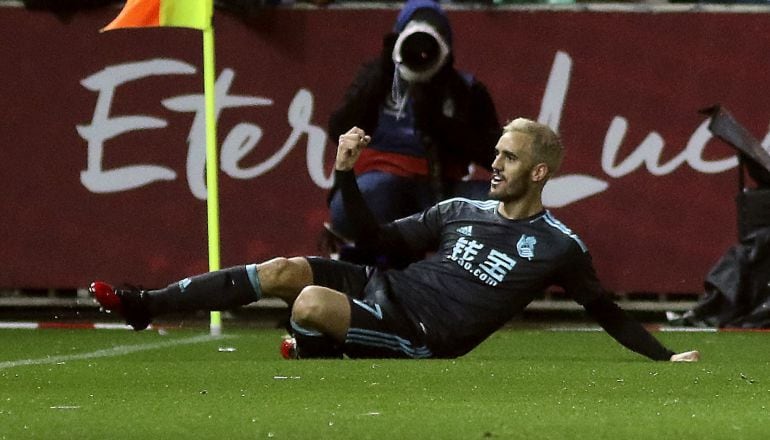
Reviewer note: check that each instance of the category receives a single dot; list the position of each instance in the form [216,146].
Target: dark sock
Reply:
[314,345]
[220,290]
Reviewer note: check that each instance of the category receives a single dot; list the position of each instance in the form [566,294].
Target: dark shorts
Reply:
[379,327]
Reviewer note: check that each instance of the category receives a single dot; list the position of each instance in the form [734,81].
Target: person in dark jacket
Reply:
[429,122]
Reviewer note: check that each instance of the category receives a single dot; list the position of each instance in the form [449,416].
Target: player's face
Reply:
[512,167]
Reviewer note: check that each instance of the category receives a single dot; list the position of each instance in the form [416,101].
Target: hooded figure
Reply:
[429,122]
[424,41]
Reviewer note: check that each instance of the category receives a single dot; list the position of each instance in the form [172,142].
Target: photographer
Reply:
[429,123]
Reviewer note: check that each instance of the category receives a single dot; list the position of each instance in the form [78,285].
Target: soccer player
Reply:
[490,259]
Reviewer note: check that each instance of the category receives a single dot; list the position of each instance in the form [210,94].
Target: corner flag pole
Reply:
[194,14]
[212,164]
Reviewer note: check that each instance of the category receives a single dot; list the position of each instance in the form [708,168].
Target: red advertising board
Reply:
[102,134]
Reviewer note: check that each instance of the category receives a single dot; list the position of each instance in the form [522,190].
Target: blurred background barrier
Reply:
[102,134]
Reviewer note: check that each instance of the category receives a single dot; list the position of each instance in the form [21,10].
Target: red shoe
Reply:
[130,303]
[289,348]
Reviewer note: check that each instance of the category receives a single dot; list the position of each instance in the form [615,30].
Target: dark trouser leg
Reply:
[220,290]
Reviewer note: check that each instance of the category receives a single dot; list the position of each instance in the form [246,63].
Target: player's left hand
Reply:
[687,356]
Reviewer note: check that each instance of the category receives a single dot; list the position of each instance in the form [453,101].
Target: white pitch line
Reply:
[688,329]
[109,352]
[575,329]
[662,328]
[18,325]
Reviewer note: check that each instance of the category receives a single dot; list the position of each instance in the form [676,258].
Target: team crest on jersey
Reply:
[526,246]
[465,230]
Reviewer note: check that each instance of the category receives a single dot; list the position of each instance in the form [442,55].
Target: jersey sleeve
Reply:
[389,238]
[578,277]
[582,284]
[626,330]
[421,231]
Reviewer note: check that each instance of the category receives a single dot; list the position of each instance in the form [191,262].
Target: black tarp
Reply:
[737,289]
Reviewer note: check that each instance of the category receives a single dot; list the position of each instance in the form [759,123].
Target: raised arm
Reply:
[367,232]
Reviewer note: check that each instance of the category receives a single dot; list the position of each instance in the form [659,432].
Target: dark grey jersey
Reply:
[485,270]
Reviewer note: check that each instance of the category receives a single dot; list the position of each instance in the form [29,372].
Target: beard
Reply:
[510,191]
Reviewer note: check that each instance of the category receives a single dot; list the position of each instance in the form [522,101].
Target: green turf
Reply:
[519,384]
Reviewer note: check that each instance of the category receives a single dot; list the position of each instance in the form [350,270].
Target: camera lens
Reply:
[420,51]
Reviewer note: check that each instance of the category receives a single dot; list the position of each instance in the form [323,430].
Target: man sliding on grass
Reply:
[490,259]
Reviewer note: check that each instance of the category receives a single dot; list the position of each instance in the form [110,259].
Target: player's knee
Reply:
[309,308]
[279,271]
[275,268]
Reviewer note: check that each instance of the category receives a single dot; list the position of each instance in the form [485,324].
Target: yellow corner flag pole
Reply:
[212,164]
[195,14]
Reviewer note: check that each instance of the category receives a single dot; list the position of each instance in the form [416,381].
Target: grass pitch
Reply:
[528,384]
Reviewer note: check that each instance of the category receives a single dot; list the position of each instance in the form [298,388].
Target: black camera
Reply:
[420,51]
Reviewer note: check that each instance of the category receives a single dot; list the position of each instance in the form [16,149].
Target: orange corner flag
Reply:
[194,14]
